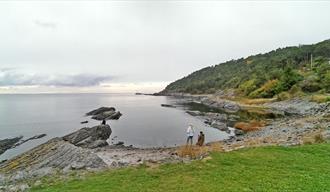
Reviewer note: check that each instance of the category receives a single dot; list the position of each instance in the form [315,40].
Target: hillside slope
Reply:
[305,67]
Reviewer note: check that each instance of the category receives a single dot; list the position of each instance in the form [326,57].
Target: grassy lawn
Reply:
[302,168]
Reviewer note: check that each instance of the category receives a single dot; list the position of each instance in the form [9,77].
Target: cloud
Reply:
[12,77]
[45,24]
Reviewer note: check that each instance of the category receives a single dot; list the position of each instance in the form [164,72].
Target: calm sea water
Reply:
[144,122]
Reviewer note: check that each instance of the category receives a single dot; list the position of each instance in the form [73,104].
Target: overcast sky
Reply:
[128,46]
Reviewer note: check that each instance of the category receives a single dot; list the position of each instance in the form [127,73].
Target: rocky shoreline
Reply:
[87,149]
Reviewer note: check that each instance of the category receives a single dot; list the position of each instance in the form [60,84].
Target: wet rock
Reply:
[194,113]
[167,105]
[31,138]
[219,125]
[100,110]
[104,113]
[238,132]
[6,144]
[120,143]
[89,137]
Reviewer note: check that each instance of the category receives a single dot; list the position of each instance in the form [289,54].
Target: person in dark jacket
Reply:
[201,139]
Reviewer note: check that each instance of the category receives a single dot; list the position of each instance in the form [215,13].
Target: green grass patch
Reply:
[302,168]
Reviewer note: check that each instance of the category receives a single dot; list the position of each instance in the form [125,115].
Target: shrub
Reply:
[247,87]
[289,78]
[326,82]
[283,96]
[268,90]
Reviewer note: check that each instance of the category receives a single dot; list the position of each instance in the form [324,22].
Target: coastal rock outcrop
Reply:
[89,137]
[6,144]
[71,152]
[54,154]
[104,113]
[228,106]
[294,107]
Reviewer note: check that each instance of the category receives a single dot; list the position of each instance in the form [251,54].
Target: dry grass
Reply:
[259,101]
[320,98]
[250,126]
[195,151]
[314,137]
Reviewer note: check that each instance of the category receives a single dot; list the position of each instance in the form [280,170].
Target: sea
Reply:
[144,123]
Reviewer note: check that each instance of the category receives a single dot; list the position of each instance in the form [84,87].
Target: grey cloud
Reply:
[12,77]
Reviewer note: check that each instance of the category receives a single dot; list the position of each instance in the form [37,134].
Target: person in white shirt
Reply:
[190,134]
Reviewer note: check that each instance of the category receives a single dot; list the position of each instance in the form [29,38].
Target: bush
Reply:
[283,96]
[247,87]
[326,82]
[268,90]
[310,84]
[289,78]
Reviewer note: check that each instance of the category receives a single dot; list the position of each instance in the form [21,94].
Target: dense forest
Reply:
[298,69]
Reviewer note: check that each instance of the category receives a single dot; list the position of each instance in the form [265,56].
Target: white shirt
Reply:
[190,131]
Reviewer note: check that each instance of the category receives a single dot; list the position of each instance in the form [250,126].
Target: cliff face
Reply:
[305,66]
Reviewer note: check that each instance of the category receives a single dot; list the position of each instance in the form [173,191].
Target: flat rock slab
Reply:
[56,153]
[126,156]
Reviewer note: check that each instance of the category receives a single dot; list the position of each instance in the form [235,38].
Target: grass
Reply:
[303,168]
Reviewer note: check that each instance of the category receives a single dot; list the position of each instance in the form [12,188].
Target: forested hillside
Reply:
[304,69]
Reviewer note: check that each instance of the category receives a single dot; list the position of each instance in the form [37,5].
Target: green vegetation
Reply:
[264,75]
[301,168]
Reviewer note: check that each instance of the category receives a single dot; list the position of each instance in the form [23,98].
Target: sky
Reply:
[141,46]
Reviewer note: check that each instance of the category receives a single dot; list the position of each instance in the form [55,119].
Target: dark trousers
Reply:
[190,138]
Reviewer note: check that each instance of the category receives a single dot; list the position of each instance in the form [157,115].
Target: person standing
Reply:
[190,134]
[201,139]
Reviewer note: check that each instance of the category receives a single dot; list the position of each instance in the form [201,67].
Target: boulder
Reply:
[219,125]
[238,132]
[104,113]
[89,137]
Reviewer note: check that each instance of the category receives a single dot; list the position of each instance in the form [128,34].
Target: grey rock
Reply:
[217,116]
[104,113]
[78,165]
[194,113]
[100,110]
[167,105]
[42,172]
[228,106]
[28,139]
[219,125]
[238,132]
[87,137]
[6,144]
[56,153]
[98,143]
